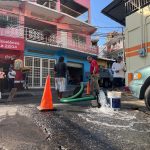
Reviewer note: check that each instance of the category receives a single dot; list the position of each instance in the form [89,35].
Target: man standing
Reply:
[2,76]
[94,72]
[25,78]
[119,70]
[60,77]
[11,78]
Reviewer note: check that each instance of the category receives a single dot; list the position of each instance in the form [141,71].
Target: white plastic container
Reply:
[114,99]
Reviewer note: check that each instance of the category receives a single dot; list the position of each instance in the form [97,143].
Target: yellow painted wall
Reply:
[137,33]
[102,63]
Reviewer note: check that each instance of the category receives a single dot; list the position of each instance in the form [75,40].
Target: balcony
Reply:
[68,7]
[15,32]
[132,6]
[56,39]
[59,40]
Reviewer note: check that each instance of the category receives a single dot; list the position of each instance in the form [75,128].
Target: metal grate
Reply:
[41,68]
[134,5]
[61,39]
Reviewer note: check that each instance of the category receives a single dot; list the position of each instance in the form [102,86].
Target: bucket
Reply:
[114,99]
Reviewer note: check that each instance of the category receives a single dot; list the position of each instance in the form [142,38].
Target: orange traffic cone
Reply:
[88,88]
[46,102]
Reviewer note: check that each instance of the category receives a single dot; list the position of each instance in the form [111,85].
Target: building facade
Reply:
[136,18]
[115,45]
[39,31]
[103,60]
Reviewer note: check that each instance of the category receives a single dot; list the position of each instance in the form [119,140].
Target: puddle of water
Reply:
[133,123]
[108,112]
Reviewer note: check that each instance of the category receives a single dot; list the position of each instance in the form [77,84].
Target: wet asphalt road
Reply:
[78,126]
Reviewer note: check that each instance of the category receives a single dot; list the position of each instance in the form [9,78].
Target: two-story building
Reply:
[39,31]
[135,15]
[115,45]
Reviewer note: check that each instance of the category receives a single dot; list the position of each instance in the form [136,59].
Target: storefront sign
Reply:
[10,55]
[11,43]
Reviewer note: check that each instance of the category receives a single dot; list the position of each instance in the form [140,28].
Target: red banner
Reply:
[11,43]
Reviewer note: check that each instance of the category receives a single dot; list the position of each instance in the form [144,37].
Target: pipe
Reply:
[87,98]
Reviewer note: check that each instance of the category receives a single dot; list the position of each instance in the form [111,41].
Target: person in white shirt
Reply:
[119,70]
[11,78]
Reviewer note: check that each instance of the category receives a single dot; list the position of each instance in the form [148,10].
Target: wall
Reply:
[85,3]
[13,31]
[55,54]
[137,35]
[117,46]
[102,63]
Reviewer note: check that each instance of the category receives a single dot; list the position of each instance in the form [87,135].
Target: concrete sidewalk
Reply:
[35,92]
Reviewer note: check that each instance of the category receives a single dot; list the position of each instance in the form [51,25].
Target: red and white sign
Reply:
[11,43]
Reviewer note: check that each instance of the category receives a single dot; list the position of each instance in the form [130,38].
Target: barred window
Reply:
[79,38]
[10,20]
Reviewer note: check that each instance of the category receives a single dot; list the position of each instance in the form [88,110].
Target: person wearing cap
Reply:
[119,70]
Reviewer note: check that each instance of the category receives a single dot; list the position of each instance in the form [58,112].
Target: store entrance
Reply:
[75,73]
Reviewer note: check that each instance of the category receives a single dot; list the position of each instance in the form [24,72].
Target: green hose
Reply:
[77,94]
[87,98]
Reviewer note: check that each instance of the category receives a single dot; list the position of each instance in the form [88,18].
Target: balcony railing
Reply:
[58,39]
[63,8]
[134,5]
[14,31]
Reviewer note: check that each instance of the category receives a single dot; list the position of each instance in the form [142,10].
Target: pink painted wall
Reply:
[13,31]
[85,3]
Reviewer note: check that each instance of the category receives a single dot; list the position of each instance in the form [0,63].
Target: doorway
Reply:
[75,73]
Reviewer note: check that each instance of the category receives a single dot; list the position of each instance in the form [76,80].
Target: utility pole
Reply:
[124,57]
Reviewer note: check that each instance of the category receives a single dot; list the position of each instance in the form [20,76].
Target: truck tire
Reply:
[147,98]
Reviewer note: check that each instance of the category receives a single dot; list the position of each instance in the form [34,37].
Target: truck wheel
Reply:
[147,98]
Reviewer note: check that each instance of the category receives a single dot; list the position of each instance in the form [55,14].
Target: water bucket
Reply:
[114,99]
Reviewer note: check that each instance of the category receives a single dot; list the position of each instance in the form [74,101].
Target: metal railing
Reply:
[57,39]
[14,31]
[63,8]
[134,5]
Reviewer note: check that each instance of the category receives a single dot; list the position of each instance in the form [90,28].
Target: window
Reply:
[11,20]
[79,38]
[40,69]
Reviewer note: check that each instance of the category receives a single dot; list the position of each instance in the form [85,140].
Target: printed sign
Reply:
[11,43]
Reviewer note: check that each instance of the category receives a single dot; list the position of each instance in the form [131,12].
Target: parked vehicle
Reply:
[106,77]
[140,85]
